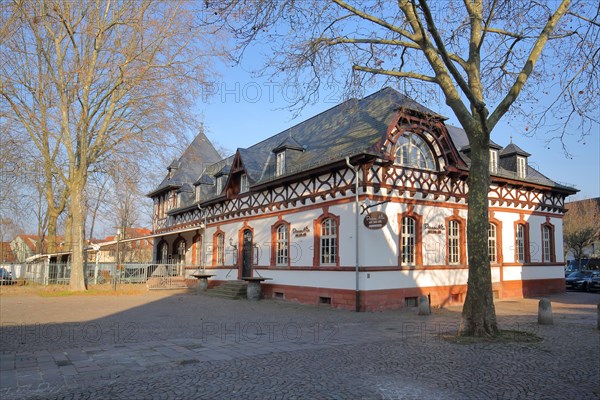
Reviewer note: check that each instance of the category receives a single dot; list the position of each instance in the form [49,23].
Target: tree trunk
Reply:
[479,314]
[77,236]
[52,226]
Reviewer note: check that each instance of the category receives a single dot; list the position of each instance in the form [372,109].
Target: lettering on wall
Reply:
[434,229]
[300,232]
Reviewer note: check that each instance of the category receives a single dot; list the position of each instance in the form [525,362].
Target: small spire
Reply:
[510,139]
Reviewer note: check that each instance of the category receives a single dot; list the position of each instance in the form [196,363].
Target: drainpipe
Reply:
[203,240]
[356,253]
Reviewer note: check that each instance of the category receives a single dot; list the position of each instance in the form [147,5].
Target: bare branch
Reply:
[376,20]
[527,69]
[398,74]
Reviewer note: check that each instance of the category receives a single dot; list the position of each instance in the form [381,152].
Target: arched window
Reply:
[453,242]
[282,245]
[179,250]
[522,242]
[493,243]
[328,248]
[163,253]
[326,240]
[220,249]
[412,151]
[548,253]
[410,252]
[408,241]
[197,250]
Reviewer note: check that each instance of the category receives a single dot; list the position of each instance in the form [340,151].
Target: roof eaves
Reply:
[164,188]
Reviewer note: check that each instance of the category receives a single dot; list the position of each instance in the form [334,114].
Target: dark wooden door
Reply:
[247,254]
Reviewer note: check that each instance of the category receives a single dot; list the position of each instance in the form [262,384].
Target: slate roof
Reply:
[289,143]
[347,129]
[513,149]
[507,166]
[351,128]
[198,155]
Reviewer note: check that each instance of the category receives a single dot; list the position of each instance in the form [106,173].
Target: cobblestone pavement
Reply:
[164,345]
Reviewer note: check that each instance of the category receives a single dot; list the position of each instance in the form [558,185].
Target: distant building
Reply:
[7,255]
[593,250]
[25,246]
[133,247]
[285,209]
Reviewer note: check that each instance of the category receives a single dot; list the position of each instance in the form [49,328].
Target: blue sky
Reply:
[243,110]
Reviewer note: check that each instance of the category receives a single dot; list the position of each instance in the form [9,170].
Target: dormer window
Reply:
[172,168]
[280,164]
[413,152]
[521,167]
[493,161]
[244,186]
[220,184]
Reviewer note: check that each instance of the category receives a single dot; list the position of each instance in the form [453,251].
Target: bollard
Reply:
[202,285]
[545,312]
[424,306]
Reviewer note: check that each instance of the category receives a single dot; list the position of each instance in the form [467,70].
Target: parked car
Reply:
[580,280]
[594,285]
[6,277]
[585,264]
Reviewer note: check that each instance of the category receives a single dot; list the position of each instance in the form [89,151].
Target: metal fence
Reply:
[156,276]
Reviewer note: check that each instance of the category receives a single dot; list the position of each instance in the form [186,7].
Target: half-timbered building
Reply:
[365,202]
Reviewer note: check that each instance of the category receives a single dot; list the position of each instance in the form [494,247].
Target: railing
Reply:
[100,273]
[167,276]
[154,275]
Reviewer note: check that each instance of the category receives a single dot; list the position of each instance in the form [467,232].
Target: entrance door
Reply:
[247,254]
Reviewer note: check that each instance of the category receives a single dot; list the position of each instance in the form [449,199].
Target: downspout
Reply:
[203,212]
[356,249]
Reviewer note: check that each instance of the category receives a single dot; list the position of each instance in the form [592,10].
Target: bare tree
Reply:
[93,77]
[581,226]
[486,57]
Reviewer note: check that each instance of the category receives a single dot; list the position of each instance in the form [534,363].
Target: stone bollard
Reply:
[202,285]
[424,305]
[545,312]
[253,291]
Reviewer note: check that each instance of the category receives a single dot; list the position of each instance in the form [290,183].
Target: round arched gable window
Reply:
[414,152]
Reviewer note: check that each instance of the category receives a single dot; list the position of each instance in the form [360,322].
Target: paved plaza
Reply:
[179,345]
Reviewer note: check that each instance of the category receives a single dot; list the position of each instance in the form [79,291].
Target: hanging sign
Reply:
[375,220]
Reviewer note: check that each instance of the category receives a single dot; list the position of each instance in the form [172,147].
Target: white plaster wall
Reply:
[495,274]
[535,237]
[508,234]
[301,248]
[558,239]
[535,272]
[381,280]
[381,247]
[378,280]
[316,278]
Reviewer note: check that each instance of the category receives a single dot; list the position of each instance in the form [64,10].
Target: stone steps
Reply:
[229,290]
